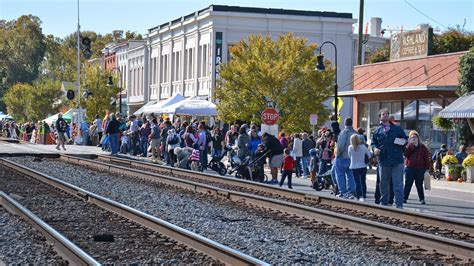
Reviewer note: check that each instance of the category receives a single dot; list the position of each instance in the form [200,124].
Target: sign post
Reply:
[313,120]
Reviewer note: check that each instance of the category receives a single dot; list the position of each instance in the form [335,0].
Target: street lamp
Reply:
[110,82]
[320,66]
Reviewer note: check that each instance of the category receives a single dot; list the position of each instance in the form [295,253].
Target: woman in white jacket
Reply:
[172,141]
[298,153]
[358,152]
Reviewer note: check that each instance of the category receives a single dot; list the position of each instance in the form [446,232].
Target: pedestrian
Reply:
[313,164]
[113,133]
[145,131]
[243,143]
[325,149]
[124,142]
[98,124]
[461,154]
[417,162]
[335,125]
[202,146]
[217,140]
[283,140]
[134,134]
[165,127]
[287,168]
[298,153]
[307,145]
[275,155]
[344,177]
[387,143]
[61,127]
[172,142]
[155,140]
[85,132]
[255,141]
[359,155]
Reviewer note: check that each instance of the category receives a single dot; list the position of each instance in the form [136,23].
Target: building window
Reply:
[176,66]
[203,55]
[189,63]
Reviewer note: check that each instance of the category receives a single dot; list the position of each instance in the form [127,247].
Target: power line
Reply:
[421,12]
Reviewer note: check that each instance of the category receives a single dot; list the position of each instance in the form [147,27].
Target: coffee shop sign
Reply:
[411,44]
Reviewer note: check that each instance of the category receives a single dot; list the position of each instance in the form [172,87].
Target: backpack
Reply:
[155,132]
[174,140]
[208,137]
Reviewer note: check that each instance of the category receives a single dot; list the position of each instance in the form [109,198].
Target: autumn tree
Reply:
[282,70]
[466,69]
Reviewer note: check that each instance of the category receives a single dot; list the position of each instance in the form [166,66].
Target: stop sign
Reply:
[270,116]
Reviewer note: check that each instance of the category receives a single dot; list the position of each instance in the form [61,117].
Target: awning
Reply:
[142,109]
[463,107]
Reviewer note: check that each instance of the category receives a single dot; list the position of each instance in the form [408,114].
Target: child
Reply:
[259,164]
[194,158]
[124,140]
[313,165]
[287,168]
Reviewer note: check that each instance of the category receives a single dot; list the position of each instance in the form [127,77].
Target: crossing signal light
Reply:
[110,81]
[86,47]
[70,95]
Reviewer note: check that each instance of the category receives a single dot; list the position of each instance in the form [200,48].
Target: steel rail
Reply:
[209,247]
[408,215]
[63,246]
[426,241]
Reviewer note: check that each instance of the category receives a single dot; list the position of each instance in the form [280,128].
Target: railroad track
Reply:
[65,248]
[186,239]
[455,250]
[450,228]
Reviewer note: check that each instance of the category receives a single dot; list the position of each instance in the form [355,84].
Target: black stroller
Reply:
[249,168]
[216,164]
[324,181]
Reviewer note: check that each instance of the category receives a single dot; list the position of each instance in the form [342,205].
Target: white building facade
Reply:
[183,55]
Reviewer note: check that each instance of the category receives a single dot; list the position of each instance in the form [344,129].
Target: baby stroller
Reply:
[324,181]
[216,164]
[249,168]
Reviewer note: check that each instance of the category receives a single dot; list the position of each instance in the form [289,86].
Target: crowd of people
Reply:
[345,155]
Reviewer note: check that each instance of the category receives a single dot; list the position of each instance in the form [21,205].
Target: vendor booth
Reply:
[194,106]
[158,107]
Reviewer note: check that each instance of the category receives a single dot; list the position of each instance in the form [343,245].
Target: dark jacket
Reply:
[307,145]
[113,127]
[417,157]
[390,153]
[273,145]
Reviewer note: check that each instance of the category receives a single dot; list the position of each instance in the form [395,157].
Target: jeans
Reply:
[394,173]
[298,169]
[286,173]
[114,139]
[135,143]
[377,190]
[305,161]
[216,152]
[144,147]
[85,139]
[360,182]
[344,177]
[203,159]
[417,175]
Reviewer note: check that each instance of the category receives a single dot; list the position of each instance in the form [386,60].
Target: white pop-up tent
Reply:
[192,106]
[158,107]
[5,116]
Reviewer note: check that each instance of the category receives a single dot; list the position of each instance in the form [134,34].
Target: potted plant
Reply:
[452,170]
[468,164]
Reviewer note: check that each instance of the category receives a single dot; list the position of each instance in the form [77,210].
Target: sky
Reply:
[59,17]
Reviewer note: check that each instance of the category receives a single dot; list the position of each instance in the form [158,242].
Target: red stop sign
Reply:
[270,116]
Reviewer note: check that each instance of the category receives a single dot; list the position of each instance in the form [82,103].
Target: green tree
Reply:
[33,102]
[381,54]
[18,99]
[466,77]
[96,83]
[283,70]
[22,50]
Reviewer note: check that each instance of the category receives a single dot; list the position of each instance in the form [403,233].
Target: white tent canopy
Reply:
[192,106]
[158,107]
[5,116]
[142,109]
[426,111]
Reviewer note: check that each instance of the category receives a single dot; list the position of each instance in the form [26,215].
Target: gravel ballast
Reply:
[248,230]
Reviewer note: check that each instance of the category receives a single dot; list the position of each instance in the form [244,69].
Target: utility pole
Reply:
[361,25]
[78,60]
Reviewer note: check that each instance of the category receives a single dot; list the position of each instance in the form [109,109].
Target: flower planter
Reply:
[470,174]
[453,176]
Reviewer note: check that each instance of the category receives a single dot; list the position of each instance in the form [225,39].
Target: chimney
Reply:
[375,26]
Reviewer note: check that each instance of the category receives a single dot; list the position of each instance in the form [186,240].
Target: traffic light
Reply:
[70,95]
[86,47]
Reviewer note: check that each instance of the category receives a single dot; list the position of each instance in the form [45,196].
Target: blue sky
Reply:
[59,17]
